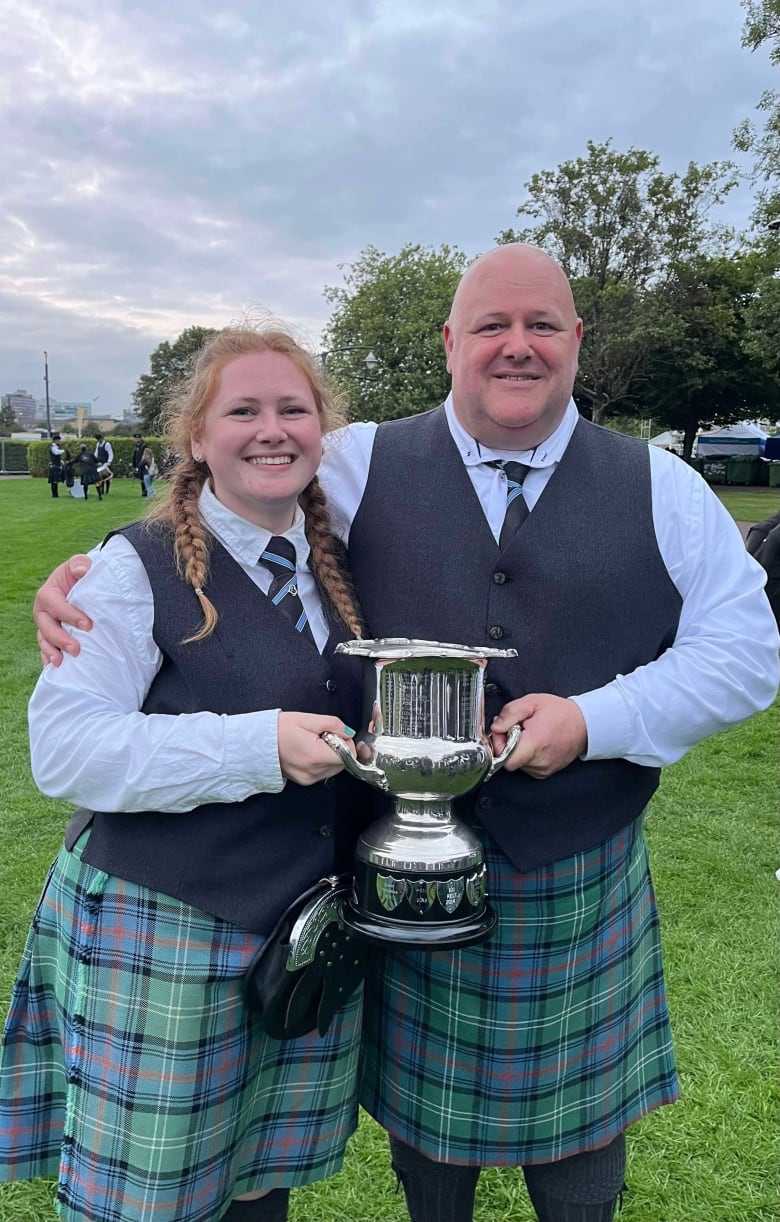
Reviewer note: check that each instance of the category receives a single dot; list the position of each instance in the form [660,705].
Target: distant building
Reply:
[23,406]
[62,411]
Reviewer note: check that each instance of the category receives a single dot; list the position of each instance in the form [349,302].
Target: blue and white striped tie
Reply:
[279,557]
[516,508]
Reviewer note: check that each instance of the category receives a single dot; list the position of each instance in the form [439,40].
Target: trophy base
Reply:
[433,935]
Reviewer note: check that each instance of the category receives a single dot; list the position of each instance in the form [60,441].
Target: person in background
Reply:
[763,543]
[147,469]
[641,627]
[135,461]
[56,472]
[88,470]
[104,453]
[67,465]
[131,1067]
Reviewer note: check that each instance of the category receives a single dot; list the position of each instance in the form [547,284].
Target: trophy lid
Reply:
[393,647]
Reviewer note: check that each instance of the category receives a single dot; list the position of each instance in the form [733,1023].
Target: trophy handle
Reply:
[512,739]
[364,772]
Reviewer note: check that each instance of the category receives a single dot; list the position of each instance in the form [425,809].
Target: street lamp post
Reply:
[46,384]
[370,361]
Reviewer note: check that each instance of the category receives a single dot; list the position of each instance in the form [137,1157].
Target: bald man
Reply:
[641,628]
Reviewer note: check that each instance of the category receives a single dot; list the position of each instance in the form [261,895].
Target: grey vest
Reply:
[581,593]
[244,862]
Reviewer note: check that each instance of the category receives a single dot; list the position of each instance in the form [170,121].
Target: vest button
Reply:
[496,632]
[491,689]
[330,685]
[325,831]
[499,578]
[484,803]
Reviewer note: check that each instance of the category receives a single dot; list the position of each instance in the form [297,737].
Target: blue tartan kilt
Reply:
[132,1071]
[548,1039]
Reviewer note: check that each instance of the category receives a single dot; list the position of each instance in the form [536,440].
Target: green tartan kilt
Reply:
[548,1039]
[132,1070]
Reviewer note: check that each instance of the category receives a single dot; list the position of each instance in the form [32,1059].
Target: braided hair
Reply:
[180,509]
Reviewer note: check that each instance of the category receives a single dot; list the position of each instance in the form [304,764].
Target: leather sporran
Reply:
[309,966]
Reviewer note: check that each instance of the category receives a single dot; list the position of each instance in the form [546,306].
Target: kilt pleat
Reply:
[548,1039]
[132,1071]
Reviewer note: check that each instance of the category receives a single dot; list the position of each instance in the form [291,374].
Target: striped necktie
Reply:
[279,558]
[516,508]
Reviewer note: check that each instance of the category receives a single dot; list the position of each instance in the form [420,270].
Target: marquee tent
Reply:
[733,439]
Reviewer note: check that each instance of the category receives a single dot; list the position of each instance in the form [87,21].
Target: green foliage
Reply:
[394,306]
[616,218]
[705,367]
[38,453]
[169,364]
[14,455]
[762,26]
[7,419]
[616,224]
[762,321]
[713,840]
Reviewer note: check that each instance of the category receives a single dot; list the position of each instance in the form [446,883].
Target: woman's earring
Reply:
[198,457]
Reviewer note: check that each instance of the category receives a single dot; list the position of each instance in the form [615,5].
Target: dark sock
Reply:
[435,1192]
[270,1208]
[583,1188]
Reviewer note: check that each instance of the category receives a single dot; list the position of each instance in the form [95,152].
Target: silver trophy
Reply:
[419,873]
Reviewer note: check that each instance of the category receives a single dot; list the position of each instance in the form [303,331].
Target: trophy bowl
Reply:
[420,876]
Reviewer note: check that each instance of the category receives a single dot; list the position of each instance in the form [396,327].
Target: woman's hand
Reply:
[304,756]
[51,610]
[554,734]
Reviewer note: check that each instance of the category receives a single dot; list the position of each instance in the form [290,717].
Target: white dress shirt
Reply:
[723,665]
[89,742]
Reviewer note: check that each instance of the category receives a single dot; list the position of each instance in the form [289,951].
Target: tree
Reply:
[7,419]
[702,369]
[394,306]
[762,25]
[617,224]
[169,364]
[762,314]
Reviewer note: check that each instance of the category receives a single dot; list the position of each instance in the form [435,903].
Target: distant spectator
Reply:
[148,470]
[56,472]
[138,450]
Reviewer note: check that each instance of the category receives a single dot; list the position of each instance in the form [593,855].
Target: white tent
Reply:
[733,439]
[670,440]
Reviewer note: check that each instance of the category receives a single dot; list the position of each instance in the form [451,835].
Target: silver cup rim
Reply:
[393,648]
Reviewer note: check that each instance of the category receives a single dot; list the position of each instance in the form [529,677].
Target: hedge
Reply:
[38,453]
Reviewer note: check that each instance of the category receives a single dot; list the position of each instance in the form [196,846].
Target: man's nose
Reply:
[517,342]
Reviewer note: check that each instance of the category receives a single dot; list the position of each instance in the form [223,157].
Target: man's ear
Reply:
[448,341]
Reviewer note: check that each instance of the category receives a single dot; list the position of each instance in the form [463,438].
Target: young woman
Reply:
[131,1067]
[147,469]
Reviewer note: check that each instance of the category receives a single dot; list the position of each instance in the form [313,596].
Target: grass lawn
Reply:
[714,1157]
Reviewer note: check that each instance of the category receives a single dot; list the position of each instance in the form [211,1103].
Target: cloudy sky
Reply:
[170,162]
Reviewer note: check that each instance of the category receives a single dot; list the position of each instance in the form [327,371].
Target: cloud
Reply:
[166,165]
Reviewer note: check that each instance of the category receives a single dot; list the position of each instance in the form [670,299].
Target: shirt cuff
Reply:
[609,723]
[252,754]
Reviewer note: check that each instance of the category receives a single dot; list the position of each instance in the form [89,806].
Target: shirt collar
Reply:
[544,455]
[243,539]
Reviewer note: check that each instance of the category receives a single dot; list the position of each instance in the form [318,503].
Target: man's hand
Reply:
[304,756]
[51,609]
[554,734]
